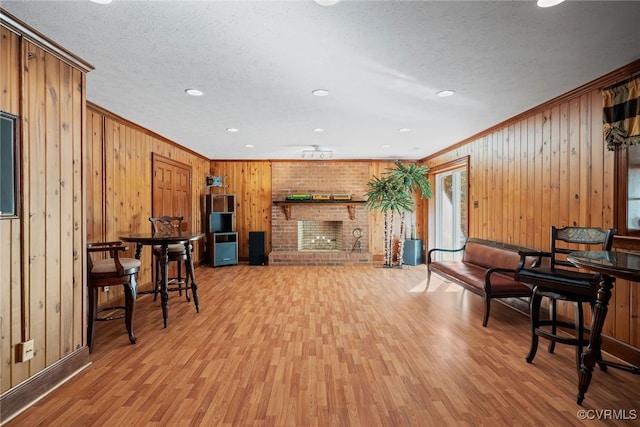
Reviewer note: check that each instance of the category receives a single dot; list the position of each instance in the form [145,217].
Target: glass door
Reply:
[451,209]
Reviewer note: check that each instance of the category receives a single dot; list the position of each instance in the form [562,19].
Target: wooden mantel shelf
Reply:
[350,204]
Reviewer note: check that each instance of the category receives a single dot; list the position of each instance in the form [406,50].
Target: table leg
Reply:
[191,274]
[597,322]
[138,250]
[165,283]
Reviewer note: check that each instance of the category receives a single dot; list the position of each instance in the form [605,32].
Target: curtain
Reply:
[622,113]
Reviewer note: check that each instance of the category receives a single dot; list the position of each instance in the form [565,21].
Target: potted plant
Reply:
[393,193]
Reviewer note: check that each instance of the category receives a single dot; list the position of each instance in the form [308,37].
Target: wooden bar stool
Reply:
[110,271]
[177,254]
[557,279]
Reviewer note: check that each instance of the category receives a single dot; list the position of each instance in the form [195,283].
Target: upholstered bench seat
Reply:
[487,268]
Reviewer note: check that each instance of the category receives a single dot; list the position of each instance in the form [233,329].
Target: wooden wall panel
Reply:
[42,298]
[9,71]
[118,160]
[35,201]
[94,177]
[10,234]
[250,181]
[560,173]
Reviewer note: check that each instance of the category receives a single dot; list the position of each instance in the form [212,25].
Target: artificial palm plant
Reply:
[393,193]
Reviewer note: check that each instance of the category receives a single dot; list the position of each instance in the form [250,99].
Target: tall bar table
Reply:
[164,240]
[610,264]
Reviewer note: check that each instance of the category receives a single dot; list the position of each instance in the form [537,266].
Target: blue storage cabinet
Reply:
[222,240]
[225,249]
[412,252]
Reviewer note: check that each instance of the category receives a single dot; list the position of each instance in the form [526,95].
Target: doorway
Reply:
[451,212]
[171,189]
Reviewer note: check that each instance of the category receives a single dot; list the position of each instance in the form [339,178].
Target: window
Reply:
[628,191]
[9,171]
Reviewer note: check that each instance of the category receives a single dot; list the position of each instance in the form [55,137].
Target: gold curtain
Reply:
[622,113]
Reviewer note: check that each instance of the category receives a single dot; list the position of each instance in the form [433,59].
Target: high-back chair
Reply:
[177,254]
[111,270]
[558,279]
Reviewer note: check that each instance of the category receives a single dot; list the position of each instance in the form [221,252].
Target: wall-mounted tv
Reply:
[9,165]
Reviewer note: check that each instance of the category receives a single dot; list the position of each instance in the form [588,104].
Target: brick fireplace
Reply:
[319,233]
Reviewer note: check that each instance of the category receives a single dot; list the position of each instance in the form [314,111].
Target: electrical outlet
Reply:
[25,351]
[105,288]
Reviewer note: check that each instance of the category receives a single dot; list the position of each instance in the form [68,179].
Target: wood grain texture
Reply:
[10,230]
[565,176]
[320,346]
[250,181]
[118,160]
[42,268]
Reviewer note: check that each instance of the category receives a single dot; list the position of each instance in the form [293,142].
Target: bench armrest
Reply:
[525,254]
[441,250]
[490,271]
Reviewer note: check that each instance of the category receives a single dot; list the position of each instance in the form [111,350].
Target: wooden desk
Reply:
[164,240]
[610,264]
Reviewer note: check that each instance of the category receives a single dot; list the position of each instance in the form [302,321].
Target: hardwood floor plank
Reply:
[326,346]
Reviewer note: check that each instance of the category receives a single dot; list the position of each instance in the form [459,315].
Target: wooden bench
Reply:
[487,268]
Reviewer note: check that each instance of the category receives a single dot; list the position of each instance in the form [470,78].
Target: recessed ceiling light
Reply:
[549,3]
[249,145]
[194,92]
[404,130]
[326,2]
[318,130]
[445,93]
[101,1]
[320,92]
[386,146]
[233,130]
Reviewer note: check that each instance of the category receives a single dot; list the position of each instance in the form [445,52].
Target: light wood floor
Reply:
[327,346]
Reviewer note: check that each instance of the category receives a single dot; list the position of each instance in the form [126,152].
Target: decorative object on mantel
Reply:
[341,197]
[299,197]
[621,113]
[320,197]
[393,193]
[287,204]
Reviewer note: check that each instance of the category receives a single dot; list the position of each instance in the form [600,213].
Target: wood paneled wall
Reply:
[41,251]
[548,167]
[118,163]
[250,181]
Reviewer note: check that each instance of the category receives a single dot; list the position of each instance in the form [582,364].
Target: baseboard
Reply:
[621,350]
[25,394]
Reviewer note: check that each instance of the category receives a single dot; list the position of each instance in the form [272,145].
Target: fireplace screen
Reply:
[319,235]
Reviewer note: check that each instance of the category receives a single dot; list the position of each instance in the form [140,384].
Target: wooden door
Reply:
[171,191]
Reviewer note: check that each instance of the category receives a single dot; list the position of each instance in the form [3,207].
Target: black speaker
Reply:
[257,247]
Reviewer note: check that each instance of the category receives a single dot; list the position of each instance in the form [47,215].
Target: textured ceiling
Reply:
[382,62]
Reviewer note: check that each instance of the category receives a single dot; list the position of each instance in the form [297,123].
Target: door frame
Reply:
[460,163]
[156,161]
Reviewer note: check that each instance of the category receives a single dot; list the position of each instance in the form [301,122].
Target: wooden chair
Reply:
[177,254]
[110,271]
[558,279]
